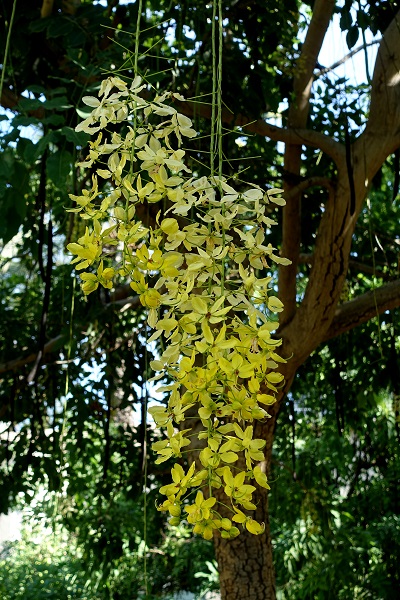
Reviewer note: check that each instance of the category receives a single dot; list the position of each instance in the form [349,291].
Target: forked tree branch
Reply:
[317,312]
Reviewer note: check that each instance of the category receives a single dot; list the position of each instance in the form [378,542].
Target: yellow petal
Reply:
[254,527]
[199,305]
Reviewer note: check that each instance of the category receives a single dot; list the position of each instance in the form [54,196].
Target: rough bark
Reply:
[245,563]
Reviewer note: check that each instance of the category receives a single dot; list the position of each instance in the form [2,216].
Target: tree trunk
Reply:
[245,564]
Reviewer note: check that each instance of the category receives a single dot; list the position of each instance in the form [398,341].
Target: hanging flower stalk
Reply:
[198,281]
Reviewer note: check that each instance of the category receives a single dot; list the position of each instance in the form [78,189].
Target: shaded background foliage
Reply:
[71,415]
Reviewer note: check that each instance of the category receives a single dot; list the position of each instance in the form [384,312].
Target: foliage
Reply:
[48,563]
[339,535]
[45,568]
[211,577]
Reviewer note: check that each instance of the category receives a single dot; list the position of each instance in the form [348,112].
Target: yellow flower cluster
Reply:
[198,279]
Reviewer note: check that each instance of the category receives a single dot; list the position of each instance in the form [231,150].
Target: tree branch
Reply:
[119,298]
[46,9]
[353,264]
[305,64]
[381,136]
[298,114]
[345,58]
[50,346]
[298,136]
[367,306]
[308,183]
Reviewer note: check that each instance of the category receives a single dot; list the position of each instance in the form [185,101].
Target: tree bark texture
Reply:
[245,563]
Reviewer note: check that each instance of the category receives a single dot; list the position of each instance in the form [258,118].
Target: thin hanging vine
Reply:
[198,281]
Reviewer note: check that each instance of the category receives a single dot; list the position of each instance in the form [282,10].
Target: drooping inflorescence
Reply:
[195,270]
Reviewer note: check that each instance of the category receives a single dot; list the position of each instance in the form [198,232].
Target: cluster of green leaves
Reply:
[47,568]
[204,282]
[49,562]
[339,536]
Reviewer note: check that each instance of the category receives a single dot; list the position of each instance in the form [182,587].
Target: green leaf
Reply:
[346,20]
[13,209]
[27,149]
[59,102]
[57,91]
[58,167]
[7,164]
[76,38]
[47,139]
[31,152]
[30,104]
[54,120]
[22,121]
[39,25]
[79,57]
[78,138]
[11,137]
[36,89]
[59,26]
[352,36]
[21,183]
[363,19]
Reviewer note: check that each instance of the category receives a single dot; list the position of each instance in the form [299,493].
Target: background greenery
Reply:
[72,425]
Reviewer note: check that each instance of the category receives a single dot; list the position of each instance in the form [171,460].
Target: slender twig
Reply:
[3,70]
[344,59]
[46,303]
